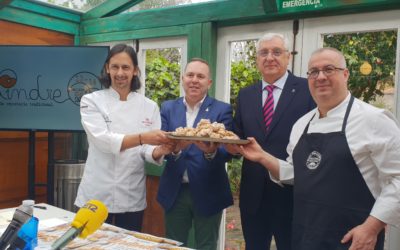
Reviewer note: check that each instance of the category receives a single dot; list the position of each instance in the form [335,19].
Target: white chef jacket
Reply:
[117,178]
[373,136]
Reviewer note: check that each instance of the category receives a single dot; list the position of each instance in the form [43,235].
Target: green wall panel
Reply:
[136,34]
[209,50]
[194,41]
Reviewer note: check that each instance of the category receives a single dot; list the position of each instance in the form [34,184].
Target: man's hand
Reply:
[154,137]
[364,236]
[233,149]
[181,145]
[162,150]
[252,151]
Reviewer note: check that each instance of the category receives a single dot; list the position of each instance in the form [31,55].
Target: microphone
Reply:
[87,220]
[21,215]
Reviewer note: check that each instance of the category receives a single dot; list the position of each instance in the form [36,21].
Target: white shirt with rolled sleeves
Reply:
[373,136]
[117,178]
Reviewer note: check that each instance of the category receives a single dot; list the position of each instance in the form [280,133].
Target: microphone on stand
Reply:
[87,220]
[21,215]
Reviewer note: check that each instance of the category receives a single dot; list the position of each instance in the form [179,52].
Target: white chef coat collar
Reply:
[115,94]
[336,110]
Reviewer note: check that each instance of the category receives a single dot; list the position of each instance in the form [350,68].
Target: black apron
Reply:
[330,194]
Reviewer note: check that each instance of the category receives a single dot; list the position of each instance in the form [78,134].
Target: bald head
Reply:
[340,57]
[327,78]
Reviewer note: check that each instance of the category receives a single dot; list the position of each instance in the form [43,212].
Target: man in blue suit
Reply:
[194,188]
[265,207]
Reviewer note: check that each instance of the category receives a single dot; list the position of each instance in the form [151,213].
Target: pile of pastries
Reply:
[206,129]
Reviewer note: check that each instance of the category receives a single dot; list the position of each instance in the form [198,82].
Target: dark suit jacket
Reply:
[208,180]
[294,102]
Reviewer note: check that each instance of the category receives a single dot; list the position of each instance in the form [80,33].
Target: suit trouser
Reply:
[180,218]
[271,219]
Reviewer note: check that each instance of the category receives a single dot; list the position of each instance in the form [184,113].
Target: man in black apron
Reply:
[334,207]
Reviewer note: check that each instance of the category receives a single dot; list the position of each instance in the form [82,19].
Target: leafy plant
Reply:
[376,48]
[243,73]
[243,68]
[163,74]
[234,174]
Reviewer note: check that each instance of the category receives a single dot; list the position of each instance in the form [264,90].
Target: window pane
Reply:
[163,71]
[371,60]
[156,4]
[79,5]
[243,67]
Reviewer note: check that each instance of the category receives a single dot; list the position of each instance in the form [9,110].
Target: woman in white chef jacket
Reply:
[121,126]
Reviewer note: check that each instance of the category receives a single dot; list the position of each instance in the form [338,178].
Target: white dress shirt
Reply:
[191,114]
[117,178]
[373,136]
[279,85]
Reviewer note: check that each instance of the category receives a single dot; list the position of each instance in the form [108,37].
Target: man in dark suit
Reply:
[266,207]
[194,187]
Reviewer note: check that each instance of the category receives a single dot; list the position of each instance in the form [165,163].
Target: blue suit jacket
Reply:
[294,102]
[208,180]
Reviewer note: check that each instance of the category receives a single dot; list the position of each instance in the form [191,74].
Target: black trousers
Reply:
[273,218]
[129,220]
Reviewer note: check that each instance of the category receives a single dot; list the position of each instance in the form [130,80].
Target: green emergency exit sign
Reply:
[298,5]
[290,6]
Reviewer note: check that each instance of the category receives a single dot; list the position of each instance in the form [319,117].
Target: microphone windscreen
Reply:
[90,217]
[23,213]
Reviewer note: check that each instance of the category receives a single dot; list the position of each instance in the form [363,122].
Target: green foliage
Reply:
[243,73]
[162,75]
[376,48]
[243,68]
[234,174]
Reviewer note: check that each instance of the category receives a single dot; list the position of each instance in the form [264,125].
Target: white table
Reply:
[48,216]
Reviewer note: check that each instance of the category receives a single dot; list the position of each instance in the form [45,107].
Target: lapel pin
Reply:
[206,109]
[293,90]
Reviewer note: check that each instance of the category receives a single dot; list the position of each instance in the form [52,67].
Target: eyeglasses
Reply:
[328,71]
[274,52]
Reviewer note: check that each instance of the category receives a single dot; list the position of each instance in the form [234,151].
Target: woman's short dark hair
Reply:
[116,49]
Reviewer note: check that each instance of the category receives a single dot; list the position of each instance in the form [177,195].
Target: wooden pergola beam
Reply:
[4,3]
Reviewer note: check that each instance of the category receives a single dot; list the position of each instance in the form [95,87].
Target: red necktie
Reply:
[268,109]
